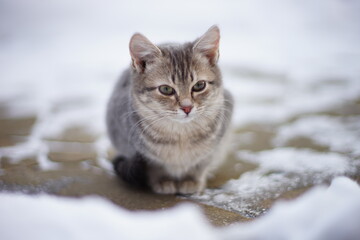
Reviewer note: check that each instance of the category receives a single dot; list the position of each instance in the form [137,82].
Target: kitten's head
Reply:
[177,82]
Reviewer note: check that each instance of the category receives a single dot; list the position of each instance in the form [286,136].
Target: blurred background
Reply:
[293,67]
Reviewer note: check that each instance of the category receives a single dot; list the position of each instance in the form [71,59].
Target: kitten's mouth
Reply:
[184,119]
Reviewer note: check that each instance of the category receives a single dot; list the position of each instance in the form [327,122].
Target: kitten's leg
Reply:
[194,181]
[162,182]
[159,181]
[139,172]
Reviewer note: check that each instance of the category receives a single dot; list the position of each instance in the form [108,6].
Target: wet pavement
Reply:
[75,180]
[76,173]
[75,169]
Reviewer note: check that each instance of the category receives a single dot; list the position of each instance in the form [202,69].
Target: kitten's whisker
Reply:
[147,118]
[151,124]
[133,128]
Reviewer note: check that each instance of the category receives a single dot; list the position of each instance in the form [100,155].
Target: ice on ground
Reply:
[279,170]
[321,214]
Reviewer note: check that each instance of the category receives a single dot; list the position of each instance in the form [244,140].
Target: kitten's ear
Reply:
[142,51]
[208,44]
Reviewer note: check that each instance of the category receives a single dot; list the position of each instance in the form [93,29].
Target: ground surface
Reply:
[77,173]
[293,69]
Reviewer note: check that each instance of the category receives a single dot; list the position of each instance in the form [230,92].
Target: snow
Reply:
[62,64]
[298,161]
[322,214]
[289,64]
[49,217]
[279,170]
[339,134]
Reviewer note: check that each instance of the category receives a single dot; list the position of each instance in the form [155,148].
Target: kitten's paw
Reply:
[164,187]
[189,187]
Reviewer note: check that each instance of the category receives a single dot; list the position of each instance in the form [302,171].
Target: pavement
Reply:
[75,171]
[78,174]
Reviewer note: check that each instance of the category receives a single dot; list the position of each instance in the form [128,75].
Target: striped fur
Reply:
[176,149]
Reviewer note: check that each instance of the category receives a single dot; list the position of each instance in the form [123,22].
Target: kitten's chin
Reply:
[184,119]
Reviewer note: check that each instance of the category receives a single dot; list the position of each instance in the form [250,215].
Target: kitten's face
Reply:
[180,83]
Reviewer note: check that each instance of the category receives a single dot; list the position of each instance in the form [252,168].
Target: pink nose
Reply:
[187,109]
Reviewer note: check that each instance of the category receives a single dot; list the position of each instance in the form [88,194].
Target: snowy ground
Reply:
[293,67]
[322,214]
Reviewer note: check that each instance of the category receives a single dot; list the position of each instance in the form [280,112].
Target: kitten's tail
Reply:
[132,171]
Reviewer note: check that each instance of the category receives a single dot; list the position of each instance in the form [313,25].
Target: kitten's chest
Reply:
[183,148]
[178,159]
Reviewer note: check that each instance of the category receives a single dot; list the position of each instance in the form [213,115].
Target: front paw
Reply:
[190,187]
[164,187]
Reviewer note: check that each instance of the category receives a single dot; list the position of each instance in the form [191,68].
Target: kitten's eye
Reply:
[166,90]
[199,86]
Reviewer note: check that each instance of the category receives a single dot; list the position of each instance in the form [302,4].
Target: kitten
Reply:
[169,114]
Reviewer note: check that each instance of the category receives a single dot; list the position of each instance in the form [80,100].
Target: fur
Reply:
[161,144]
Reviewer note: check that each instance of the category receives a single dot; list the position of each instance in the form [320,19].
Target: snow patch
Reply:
[340,134]
[280,170]
[299,161]
[322,214]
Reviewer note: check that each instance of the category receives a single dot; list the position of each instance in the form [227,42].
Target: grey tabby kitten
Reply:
[169,114]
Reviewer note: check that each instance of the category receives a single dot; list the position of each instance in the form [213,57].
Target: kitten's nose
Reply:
[187,109]
[186,105]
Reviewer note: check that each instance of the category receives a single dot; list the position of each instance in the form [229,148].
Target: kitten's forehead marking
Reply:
[180,59]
